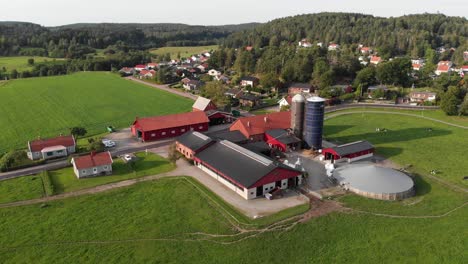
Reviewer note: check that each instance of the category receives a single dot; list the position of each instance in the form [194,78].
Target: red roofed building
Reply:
[254,127]
[168,126]
[443,67]
[147,74]
[61,146]
[140,67]
[416,66]
[152,65]
[375,60]
[366,50]
[91,165]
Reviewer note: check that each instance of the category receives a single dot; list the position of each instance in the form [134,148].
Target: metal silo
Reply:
[314,122]
[297,115]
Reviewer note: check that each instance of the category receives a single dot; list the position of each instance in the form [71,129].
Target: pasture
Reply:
[22,188]
[184,51]
[20,63]
[170,221]
[49,106]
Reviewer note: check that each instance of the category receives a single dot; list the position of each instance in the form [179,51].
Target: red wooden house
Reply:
[168,126]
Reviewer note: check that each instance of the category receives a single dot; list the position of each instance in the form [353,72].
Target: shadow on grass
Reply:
[389,152]
[334,129]
[391,136]
[422,186]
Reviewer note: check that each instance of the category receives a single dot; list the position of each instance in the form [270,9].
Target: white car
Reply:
[108,143]
[127,157]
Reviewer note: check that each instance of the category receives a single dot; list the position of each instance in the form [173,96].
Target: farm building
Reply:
[374,182]
[233,136]
[94,164]
[282,140]
[168,126]
[203,104]
[297,88]
[215,115]
[254,127]
[248,174]
[192,142]
[349,152]
[60,146]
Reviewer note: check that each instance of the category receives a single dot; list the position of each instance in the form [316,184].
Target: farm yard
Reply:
[176,219]
[49,106]
[184,51]
[20,63]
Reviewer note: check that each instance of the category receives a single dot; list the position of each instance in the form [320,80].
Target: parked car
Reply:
[108,143]
[128,157]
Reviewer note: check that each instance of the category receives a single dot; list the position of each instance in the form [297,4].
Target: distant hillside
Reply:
[400,35]
[22,38]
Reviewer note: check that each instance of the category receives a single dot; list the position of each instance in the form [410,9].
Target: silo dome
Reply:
[316,99]
[298,98]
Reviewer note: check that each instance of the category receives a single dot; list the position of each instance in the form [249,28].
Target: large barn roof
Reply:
[194,140]
[40,144]
[170,121]
[353,147]
[259,124]
[201,103]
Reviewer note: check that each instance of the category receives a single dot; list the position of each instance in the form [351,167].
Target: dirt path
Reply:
[164,88]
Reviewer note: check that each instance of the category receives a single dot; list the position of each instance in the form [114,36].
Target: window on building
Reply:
[153,134]
[182,130]
[163,133]
[50,154]
[105,167]
[83,171]
[173,131]
[200,127]
[59,151]
[251,193]
[95,170]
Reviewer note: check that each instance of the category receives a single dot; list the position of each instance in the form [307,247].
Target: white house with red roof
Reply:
[140,67]
[305,43]
[443,67]
[147,74]
[375,60]
[365,50]
[333,46]
[60,146]
[152,65]
[94,164]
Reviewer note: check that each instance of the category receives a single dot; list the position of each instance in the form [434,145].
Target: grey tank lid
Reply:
[315,99]
[298,98]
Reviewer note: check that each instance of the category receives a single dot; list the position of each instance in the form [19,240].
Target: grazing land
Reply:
[64,180]
[23,188]
[49,106]
[20,63]
[170,221]
[184,51]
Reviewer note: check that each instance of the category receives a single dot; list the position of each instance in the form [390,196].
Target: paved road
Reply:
[163,87]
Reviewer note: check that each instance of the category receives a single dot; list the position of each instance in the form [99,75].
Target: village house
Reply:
[152,65]
[203,67]
[147,74]
[254,127]
[234,93]
[365,50]
[284,102]
[422,96]
[50,148]
[443,67]
[375,60]
[249,81]
[465,55]
[300,88]
[222,78]
[92,165]
[127,71]
[249,100]
[305,43]
[333,46]
[140,67]
[193,85]
[249,48]
[214,73]
[169,126]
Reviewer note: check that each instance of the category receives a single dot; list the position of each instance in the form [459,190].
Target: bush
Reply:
[97,146]
[49,187]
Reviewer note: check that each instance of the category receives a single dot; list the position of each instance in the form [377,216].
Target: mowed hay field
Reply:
[171,221]
[49,106]
[20,63]
[184,51]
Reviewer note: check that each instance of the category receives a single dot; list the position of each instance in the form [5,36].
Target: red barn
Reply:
[203,104]
[254,127]
[168,126]
[282,140]
[350,152]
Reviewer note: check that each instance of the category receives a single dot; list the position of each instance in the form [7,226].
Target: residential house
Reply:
[147,74]
[305,43]
[422,96]
[300,88]
[284,102]
[234,93]
[365,50]
[417,67]
[140,67]
[249,100]
[375,60]
[222,78]
[152,65]
[443,67]
[249,48]
[333,46]
[50,148]
[465,55]
[214,73]
[128,71]
[249,81]
[193,85]
[185,81]
[203,67]
[92,165]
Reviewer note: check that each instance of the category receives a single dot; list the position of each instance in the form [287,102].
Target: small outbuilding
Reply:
[349,152]
[282,140]
[192,142]
[92,165]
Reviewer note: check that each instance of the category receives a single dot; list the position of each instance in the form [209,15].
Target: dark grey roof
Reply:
[283,136]
[234,136]
[249,97]
[243,166]
[353,147]
[194,140]
[257,147]
[300,85]
[249,78]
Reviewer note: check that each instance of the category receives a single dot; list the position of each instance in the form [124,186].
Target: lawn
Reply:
[20,63]
[49,106]
[64,180]
[148,223]
[23,188]
[184,51]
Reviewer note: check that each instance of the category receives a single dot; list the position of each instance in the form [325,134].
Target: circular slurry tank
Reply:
[375,182]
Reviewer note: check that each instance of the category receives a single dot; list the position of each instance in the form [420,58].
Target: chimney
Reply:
[248,123]
[266,119]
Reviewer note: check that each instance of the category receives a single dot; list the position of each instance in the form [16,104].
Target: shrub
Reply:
[49,188]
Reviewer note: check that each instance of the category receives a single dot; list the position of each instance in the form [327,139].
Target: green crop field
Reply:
[20,63]
[49,106]
[23,188]
[184,51]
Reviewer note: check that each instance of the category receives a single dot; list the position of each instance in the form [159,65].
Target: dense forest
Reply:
[74,41]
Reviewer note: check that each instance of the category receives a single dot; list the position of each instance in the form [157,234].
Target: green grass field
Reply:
[184,51]
[23,188]
[49,106]
[64,180]
[20,63]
